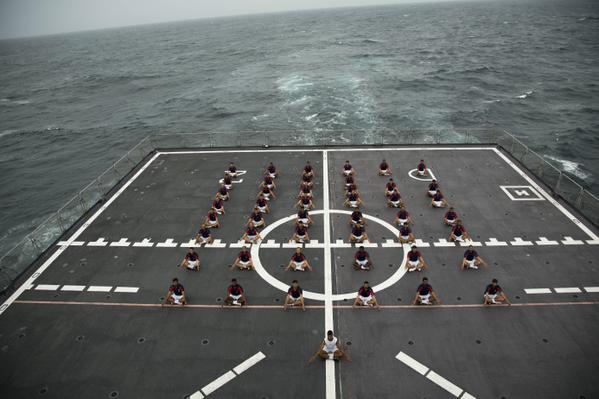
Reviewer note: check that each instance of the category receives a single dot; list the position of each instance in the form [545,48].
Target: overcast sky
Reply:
[20,18]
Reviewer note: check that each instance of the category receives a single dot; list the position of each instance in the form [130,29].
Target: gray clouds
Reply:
[39,17]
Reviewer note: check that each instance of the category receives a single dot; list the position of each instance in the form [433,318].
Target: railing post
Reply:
[60,222]
[559,181]
[579,199]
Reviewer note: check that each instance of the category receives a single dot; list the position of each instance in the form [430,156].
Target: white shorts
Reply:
[303,220]
[306,206]
[432,192]
[211,222]
[262,209]
[235,297]
[270,186]
[250,238]
[192,264]
[425,298]
[298,266]
[395,203]
[405,238]
[258,224]
[203,240]
[384,171]
[450,221]
[414,263]
[421,172]
[222,197]
[228,186]
[272,175]
[437,203]
[358,238]
[294,299]
[353,204]
[365,299]
[266,196]
[388,193]
[346,172]
[470,263]
[402,221]
[362,262]
[491,297]
[176,298]
[245,264]
[218,210]
[459,238]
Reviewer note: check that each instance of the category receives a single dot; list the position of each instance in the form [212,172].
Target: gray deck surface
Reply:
[61,344]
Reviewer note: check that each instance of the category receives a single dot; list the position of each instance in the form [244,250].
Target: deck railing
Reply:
[34,244]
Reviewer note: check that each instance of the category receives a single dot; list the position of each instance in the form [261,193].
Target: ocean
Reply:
[72,104]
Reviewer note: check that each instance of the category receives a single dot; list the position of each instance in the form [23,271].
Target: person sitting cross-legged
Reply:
[403,216]
[256,218]
[271,170]
[356,218]
[191,260]
[212,219]
[366,297]
[251,235]
[175,294]
[450,217]
[305,202]
[298,262]
[235,295]
[232,170]
[362,260]
[425,294]
[421,169]
[243,261]
[295,296]
[438,200]
[358,234]
[394,200]
[300,234]
[218,207]
[268,182]
[405,234]
[204,236]
[303,218]
[390,187]
[266,192]
[384,169]
[330,349]
[472,259]
[415,261]
[353,200]
[433,187]
[222,193]
[262,204]
[348,170]
[494,294]
[458,232]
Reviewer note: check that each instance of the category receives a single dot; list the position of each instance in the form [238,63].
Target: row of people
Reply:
[304,204]
[425,295]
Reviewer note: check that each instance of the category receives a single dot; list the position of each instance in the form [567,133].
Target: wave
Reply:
[8,101]
[525,95]
[258,117]
[570,166]
[293,83]
[372,41]
[8,132]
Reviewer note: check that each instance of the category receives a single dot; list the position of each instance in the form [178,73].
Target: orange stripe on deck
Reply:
[206,306]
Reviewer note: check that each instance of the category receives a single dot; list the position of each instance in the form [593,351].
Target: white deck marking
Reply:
[270,244]
[217,243]
[144,243]
[428,177]
[313,244]
[219,382]
[99,288]
[228,376]
[367,244]
[168,243]
[522,193]
[493,242]
[191,152]
[340,244]
[328,276]
[537,290]
[570,241]
[591,289]
[432,376]
[191,244]
[519,242]
[72,288]
[412,363]
[266,276]
[246,364]
[390,243]
[444,243]
[547,196]
[421,244]
[545,241]
[46,287]
[100,242]
[239,244]
[466,395]
[467,243]
[72,244]
[567,290]
[445,384]
[131,290]
[290,244]
[593,242]
[120,243]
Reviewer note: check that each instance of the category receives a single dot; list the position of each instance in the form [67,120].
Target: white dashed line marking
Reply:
[567,290]
[537,290]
